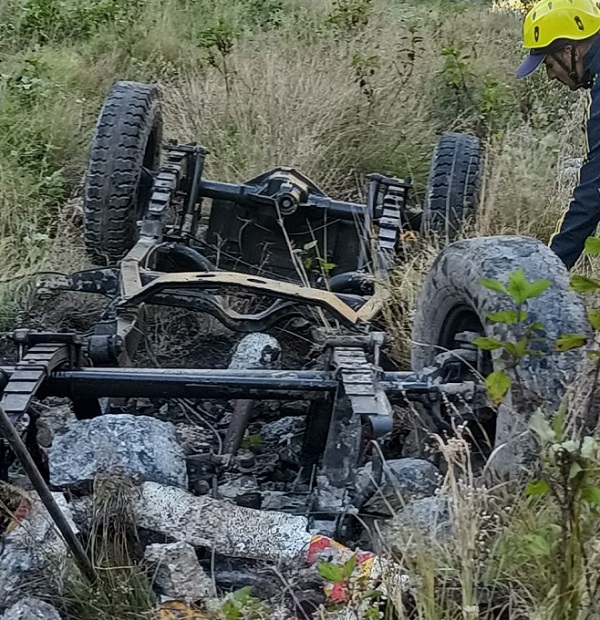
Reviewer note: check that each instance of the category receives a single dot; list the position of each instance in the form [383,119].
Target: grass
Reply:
[338,89]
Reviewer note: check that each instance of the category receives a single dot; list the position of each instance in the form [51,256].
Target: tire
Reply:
[453,186]
[451,301]
[127,139]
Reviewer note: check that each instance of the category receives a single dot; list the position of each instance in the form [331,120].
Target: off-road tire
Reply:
[451,286]
[128,138]
[451,294]
[453,186]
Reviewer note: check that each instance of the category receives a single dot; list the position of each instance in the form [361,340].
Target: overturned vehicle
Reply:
[273,251]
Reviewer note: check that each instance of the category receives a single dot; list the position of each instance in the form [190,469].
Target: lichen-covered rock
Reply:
[138,446]
[256,351]
[33,556]
[228,529]
[403,480]
[31,609]
[177,572]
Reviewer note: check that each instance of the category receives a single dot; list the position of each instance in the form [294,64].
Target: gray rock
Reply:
[33,557]
[403,480]
[228,529]
[431,516]
[256,351]
[136,445]
[31,609]
[177,572]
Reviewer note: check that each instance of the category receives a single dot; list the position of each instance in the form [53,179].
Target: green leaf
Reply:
[538,545]
[310,245]
[243,594]
[517,286]
[497,384]
[493,285]
[517,349]
[231,611]
[566,342]
[558,422]
[509,317]
[594,318]
[487,344]
[574,470]
[592,246]
[592,495]
[536,288]
[349,566]
[588,447]
[537,488]
[537,326]
[541,427]
[594,355]
[581,284]
[330,572]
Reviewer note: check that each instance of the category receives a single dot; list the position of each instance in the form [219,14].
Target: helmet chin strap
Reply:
[580,81]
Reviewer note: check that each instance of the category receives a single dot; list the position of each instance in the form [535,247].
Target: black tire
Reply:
[452,301]
[127,139]
[453,186]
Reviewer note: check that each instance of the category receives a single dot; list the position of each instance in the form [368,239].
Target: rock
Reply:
[282,502]
[31,609]
[136,445]
[177,572]
[256,351]
[194,439]
[403,480]
[431,516]
[226,528]
[33,557]
[284,437]
[238,486]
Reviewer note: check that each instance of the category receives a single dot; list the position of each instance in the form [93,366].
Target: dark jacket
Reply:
[583,215]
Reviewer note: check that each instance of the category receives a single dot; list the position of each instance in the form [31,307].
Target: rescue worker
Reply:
[563,35]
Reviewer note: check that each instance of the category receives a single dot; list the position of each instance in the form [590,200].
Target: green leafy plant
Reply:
[218,41]
[569,477]
[349,16]
[519,290]
[241,604]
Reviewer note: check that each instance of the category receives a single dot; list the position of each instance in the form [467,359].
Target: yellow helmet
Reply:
[551,24]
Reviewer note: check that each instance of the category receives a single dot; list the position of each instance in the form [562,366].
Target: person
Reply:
[563,35]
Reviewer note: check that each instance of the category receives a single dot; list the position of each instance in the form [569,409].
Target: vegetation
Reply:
[337,88]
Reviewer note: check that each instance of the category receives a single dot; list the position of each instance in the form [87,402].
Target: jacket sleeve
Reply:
[583,215]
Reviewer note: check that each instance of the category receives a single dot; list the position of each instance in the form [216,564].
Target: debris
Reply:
[403,480]
[194,439]
[31,608]
[33,555]
[284,437]
[178,610]
[231,489]
[226,528]
[177,572]
[137,445]
[254,352]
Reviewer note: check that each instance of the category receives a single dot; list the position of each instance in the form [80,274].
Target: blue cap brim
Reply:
[529,65]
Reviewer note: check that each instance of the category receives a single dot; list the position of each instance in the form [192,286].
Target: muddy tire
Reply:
[452,301]
[453,186]
[127,140]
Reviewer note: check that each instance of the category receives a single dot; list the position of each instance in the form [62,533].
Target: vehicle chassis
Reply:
[351,397]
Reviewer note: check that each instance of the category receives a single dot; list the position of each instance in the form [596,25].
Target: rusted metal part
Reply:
[242,410]
[103,281]
[230,281]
